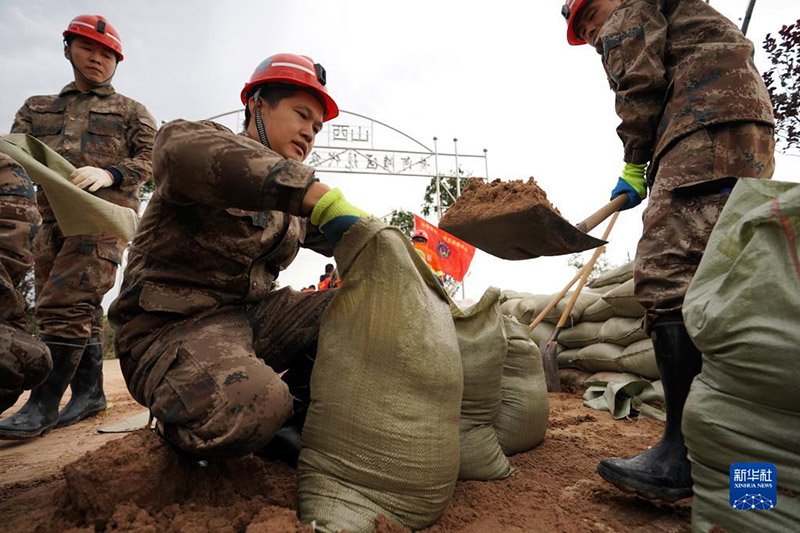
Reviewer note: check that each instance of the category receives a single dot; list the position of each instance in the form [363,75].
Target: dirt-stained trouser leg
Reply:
[286,328]
[216,399]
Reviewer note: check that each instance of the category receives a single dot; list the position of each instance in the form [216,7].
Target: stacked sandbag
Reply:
[742,312]
[522,420]
[604,330]
[483,344]
[382,432]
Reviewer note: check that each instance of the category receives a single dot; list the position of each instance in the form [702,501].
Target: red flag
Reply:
[454,254]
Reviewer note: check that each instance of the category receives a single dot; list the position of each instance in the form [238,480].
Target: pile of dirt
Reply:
[139,483]
[480,200]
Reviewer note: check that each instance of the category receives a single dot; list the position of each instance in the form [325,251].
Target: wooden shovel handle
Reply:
[585,275]
[554,301]
[603,213]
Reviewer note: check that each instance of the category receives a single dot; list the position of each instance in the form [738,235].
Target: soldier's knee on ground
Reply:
[233,413]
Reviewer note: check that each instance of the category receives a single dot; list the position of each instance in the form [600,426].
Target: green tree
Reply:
[783,83]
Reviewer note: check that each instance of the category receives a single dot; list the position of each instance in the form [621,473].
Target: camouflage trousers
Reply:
[24,363]
[214,381]
[687,196]
[72,276]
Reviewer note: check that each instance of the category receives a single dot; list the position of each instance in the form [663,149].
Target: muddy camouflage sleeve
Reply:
[206,163]
[633,41]
[22,121]
[140,133]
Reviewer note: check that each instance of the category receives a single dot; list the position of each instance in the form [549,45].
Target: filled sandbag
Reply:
[483,344]
[599,357]
[741,311]
[531,306]
[522,420]
[621,274]
[566,357]
[623,301]
[640,358]
[507,295]
[382,436]
[581,335]
[622,331]
[509,306]
[542,332]
[600,311]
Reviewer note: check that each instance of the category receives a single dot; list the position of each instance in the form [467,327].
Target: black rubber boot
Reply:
[663,472]
[285,445]
[87,386]
[40,412]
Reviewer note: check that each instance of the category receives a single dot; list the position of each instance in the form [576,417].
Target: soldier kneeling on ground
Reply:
[203,335]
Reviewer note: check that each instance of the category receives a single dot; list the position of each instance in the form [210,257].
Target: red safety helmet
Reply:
[96,28]
[295,70]
[570,10]
[419,234]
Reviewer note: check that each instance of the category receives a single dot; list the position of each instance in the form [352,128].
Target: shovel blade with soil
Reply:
[514,220]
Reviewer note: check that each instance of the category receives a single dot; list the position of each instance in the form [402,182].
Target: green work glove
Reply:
[334,215]
[633,184]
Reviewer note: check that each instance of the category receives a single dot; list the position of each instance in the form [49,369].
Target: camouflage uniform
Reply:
[691,102]
[24,360]
[99,128]
[198,317]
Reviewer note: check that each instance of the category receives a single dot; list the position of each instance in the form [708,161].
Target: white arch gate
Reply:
[356,144]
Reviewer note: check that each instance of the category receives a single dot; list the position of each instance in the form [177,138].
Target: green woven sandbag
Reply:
[381,436]
[483,344]
[620,274]
[623,302]
[581,335]
[600,311]
[743,307]
[509,306]
[721,429]
[542,332]
[599,357]
[640,358]
[741,311]
[522,420]
[622,331]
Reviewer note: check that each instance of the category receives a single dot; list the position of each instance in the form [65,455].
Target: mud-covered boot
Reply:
[285,445]
[40,412]
[663,472]
[87,386]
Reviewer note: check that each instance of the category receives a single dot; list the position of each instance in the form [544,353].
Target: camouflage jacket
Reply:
[98,128]
[18,221]
[223,221]
[677,66]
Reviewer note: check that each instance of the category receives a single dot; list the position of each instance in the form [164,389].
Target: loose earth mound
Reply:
[137,483]
[480,200]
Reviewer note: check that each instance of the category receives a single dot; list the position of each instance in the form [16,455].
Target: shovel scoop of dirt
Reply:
[513,220]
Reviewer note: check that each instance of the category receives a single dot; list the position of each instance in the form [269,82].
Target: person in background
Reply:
[420,241]
[108,137]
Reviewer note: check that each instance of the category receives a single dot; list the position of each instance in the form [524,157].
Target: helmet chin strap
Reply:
[77,71]
[262,132]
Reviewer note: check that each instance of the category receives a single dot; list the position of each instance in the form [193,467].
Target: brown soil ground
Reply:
[480,200]
[137,483]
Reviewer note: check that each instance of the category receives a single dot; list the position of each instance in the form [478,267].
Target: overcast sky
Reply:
[496,75]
